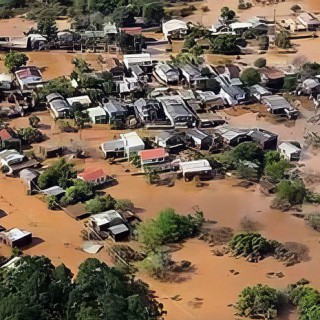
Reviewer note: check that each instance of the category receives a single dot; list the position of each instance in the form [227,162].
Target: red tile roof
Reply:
[153,154]
[5,135]
[92,174]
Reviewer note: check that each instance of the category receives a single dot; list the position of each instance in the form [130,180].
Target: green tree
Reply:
[30,135]
[34,121]
[47,27]
[59,173]
[290,83]
[124,205]
[277,170]
[259,301]
[14,60]
[271,156]
[293,191]
[310,70]
[247,151]
[153,12]
[250,77]
[260,63]
[282,40]
[225,44]
[80,191]
[227,14]
[100,204]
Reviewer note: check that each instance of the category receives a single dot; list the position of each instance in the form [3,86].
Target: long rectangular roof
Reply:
[195,166]
[175,106]
[105,217]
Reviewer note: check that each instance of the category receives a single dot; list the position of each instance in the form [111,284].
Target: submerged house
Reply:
[290,151]
[9,139]
[233,137]
[15,237]
[59,107]
[115,111]
[280,106]
[193,76]
[309,21]
[11,157]
[176,111]
[167,73]
[29,77]
[272,77]
[170,140]
[265,139]
[95,176]
[199,139]
[200,168]
[104,220]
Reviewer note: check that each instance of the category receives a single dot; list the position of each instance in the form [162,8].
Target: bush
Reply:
[295,8]
[247,151]
[277,171]
[313,220]
[247,224]
[30,135]
[79,192]
[124,205]
[169,227]
[14,60]
[290,83]
[264,42]
[259,301]
[225,44]
[100,204]
[260,63]
[6,13]
[52,202]
[250,77]
[293,191]
[156,264]
[205,9]
[59,173]
[282,40]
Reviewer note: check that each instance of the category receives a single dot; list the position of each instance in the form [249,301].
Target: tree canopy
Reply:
[250,77]
[14,60]
[225,44]
[35,289]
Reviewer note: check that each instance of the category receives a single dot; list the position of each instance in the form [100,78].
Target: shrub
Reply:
[260,63]
[100,204]
[124,205]
[290,83]
[264,42]
[205,9]
[259,301]
[250,77]
[282,40]
[293,191]
[79,192]
[247,224]
[247,151]
[30,135]
[295,8]
[277,171]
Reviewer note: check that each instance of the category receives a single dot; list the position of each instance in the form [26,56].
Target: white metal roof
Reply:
[81,99]
[131,139]
[195,166]
[288,147]
[96,112]
[16,234]
[172,25]
[240,25]
[103,218]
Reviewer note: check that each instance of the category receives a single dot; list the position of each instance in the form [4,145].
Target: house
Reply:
[176,111]
[209,120]
[11,157]
[83,100]
[139,73]
[290,151]
[127,85]
[59,107]
[119,232]
[192,75]
[174,29]
[308,20]
[115,111]
[200,168]
[280,106]
[97,115]
[233,94]
[272,77]
[54,191]
[140,59]
[9,139]
[29,177]
[104,220]
[199,139]
[5,81]
[210,100]
[153,156]
[15,238]
[148,110]
[128,144]
[76,211]
[28,77]
[166,73]
[170,140]
[240,27]
[265,139]
[310,87]
[94,176]
[233,137]
[258,92]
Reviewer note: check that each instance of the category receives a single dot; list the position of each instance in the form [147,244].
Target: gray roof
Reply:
[53,96]
[120,228]
[196,133]
[53,191]
[233,90]
[114,106]
[113,145]
[175,106]
[259,89]
[260,135]
[193,71]
[60,105]
[137,70]
[277,102]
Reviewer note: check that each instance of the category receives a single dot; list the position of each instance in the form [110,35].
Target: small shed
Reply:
[290,151]
[200,168]
[119,232]
[105,220]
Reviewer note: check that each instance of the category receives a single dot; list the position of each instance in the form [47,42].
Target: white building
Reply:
[84,100]
[174,29]
[290,151]
[191,169]
[140,59]
[97,115]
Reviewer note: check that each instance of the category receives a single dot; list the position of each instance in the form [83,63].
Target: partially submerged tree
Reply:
[227,15]
[30,135]
[14,60]
[250,77]
[100,204]
[282,40]
[225,44]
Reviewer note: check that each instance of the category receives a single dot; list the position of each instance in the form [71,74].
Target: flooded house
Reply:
[193,76]
[115,111]
[170,140]
[95,176]
[233,94]
[176,111]
[97,115]
[59,107]
[267,140]
[9,139]
[233,137]
[272,77]
[128,144]
[15,238]
[258,92]
[153,156]
[199,139]
[167,73]
[191,169]
[290,151]
[148,111]
[174,29]
[210,100]
[11,157]
[280,106]
[104,220]
[85,101]
[29,77]
[309,21]
[209,120]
